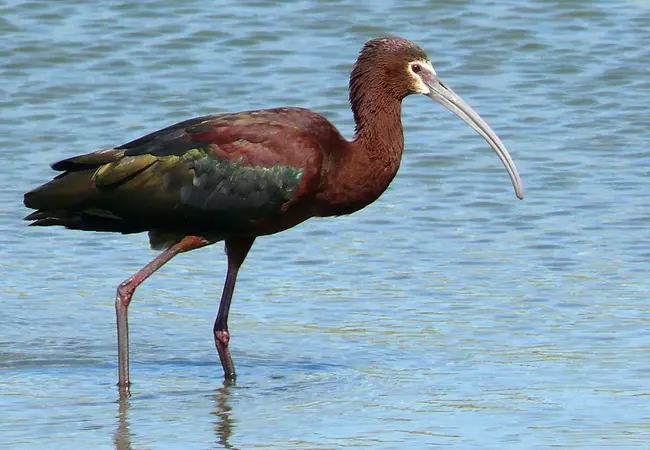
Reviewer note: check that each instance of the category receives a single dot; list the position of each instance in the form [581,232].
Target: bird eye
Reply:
[416,68]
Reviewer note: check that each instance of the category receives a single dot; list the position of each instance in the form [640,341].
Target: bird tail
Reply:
[72,199]
[54,201]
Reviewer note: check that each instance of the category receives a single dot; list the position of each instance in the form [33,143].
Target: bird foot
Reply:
[221,340]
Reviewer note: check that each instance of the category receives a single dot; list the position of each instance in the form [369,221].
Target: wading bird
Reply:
[234,177]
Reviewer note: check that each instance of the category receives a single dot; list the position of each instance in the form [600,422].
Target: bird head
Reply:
[398,67]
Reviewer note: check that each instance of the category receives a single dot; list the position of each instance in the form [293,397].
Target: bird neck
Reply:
[379,129]
[358,175]
[376,102]
[379,135]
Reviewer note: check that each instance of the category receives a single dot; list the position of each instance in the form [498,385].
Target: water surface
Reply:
[446,314]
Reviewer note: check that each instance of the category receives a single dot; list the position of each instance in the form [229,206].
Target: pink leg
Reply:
[237,249]
[124,293]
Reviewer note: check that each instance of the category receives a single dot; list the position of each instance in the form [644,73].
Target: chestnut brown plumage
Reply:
[234,177]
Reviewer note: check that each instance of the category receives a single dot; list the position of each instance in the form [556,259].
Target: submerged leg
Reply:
[237,249]
[124,293]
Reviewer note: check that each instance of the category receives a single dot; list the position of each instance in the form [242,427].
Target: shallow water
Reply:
[446,314]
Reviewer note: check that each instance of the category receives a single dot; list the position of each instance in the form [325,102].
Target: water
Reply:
[446,314]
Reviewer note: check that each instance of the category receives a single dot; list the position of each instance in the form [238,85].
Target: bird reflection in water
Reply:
[223,425]
[122,436]
[223,422]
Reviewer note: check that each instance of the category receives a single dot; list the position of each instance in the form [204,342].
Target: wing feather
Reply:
[222,172]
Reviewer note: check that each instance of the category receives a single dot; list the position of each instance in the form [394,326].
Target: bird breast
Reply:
[353,183]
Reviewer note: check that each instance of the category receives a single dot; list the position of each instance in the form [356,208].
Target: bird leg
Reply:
[124,293]
[237,248]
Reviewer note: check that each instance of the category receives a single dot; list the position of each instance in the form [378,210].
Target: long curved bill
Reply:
[452,101]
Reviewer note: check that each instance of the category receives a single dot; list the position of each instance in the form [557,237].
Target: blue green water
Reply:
[446,314]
